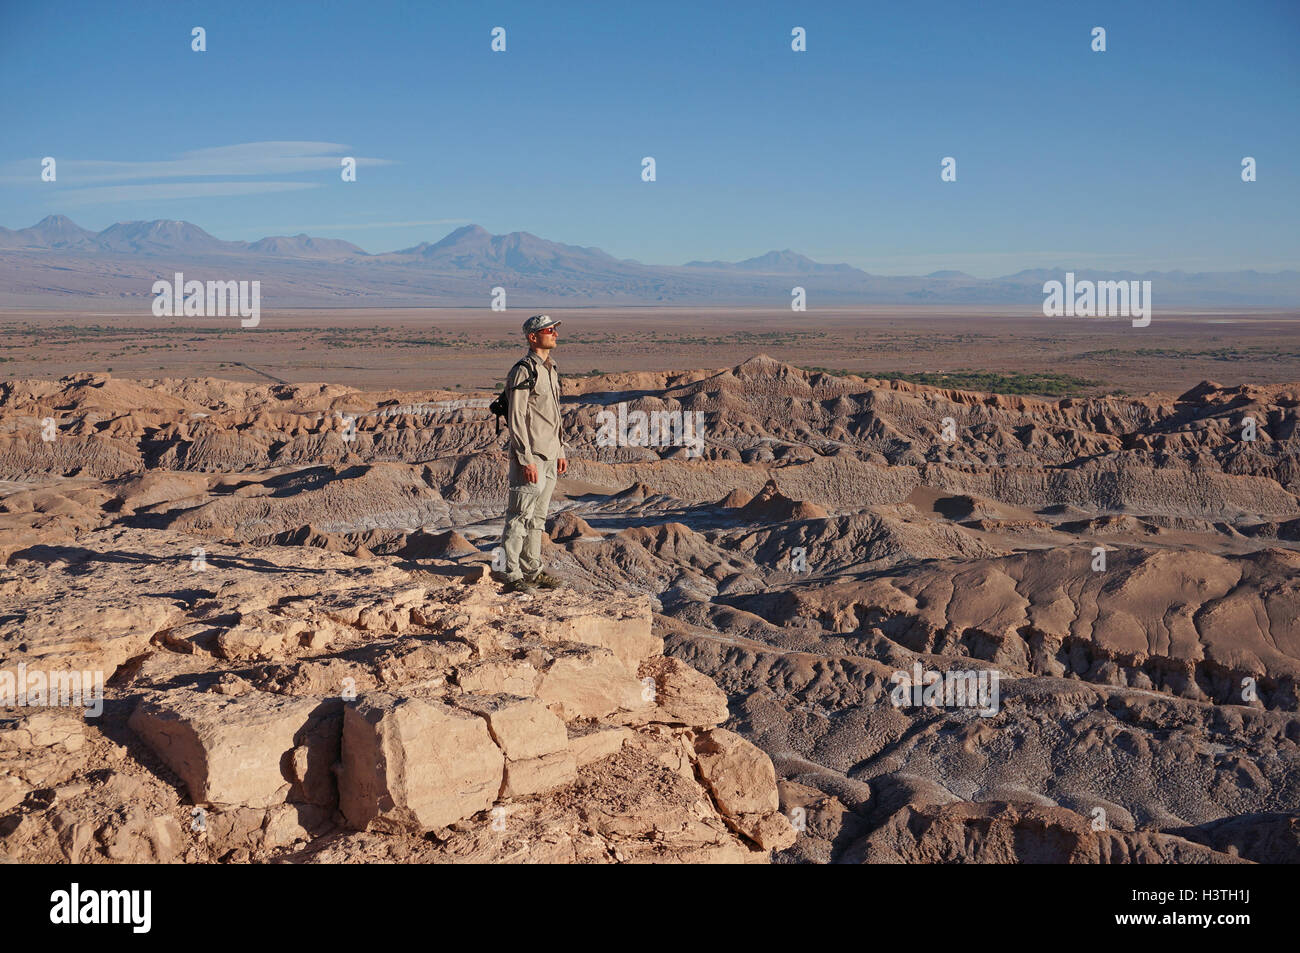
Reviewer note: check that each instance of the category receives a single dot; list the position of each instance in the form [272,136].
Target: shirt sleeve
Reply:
[520,443]
[559,394]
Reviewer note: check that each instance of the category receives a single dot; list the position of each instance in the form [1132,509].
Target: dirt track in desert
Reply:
[1122,568]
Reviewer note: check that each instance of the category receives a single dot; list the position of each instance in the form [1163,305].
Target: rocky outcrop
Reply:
[247,750]
[412,765]
[304,718]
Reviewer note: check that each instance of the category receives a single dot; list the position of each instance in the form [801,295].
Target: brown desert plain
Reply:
[466,349]
[271,544]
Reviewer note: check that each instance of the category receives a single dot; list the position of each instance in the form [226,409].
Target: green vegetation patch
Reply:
[1048,383]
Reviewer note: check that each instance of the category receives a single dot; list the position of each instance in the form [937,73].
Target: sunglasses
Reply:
[547,331]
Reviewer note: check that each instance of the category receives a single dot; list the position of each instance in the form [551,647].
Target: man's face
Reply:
[544,339]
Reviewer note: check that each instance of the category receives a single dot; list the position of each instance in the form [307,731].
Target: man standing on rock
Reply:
[536,456]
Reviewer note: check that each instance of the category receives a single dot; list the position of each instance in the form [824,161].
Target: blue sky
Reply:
[1065,157]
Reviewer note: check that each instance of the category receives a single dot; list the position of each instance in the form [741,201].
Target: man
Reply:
[536,456]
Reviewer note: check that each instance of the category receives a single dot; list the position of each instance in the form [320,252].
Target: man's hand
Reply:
[530,473]
[561,465]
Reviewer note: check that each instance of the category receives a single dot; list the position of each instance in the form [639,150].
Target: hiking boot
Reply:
[497,576]
[520,585]
[546,581]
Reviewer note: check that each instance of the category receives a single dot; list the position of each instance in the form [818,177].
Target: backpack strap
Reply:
[501,405]
[531,382]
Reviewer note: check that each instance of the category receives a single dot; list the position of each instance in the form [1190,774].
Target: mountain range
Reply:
[57,263]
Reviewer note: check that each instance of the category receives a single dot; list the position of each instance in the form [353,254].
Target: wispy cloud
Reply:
[103,195]
[244,159]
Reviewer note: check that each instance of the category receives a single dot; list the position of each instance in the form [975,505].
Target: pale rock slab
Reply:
[426,662]
[597,745]
[534,740]
[771,831]
[56,728]
[739,775]
[682,696]
[94,638]
[672,748]
[624,628]
[512,676]
[412,765]
[537,775]
[742,780]
[12,792]
[523,728]
[238,749]
[590,683]
[260,637]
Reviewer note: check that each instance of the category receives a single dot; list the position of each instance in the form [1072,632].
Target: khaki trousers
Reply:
[526,507]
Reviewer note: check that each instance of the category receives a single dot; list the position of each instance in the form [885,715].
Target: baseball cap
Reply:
[539,322]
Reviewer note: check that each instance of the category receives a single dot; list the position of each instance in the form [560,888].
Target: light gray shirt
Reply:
[534,416]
